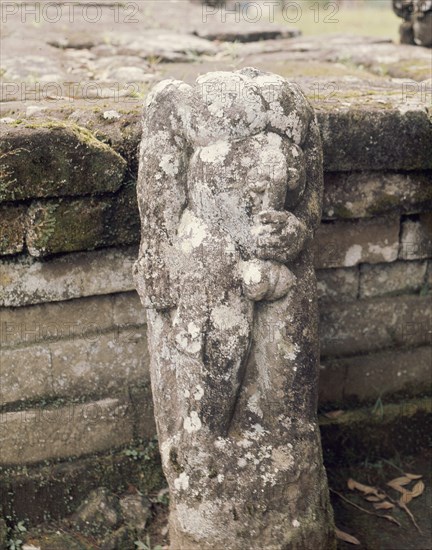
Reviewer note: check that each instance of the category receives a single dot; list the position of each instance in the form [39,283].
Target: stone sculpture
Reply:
[417,26]
[229,190]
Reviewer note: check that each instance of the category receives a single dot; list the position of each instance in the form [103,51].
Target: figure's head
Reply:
[229,106]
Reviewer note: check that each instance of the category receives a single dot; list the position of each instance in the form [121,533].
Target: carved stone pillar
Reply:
[230,190]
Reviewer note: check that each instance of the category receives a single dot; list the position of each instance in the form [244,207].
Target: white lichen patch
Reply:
[282,457]
[353,255]
[241,462]
[216,152]
[192,423]
[182,482]
[111,115]
[192,231]
[220,443]
[290,350]
[169,165]
[388,253]
[253,404]
[295,127]
[198,393]
[226,317]
[251,271]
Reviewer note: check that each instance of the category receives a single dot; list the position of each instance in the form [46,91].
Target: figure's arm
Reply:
[161,191]
[281,235]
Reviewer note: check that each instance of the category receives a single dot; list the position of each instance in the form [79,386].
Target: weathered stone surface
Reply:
[55,159]
[25,374]
[212,246]
[416,238]
[348,243]
[73,430]
[368,377]
[128,310]
[242,31]
[374,324]
[12,229]
[394,278]
[26,281]
[367,194]
[55,321]
[338,285]
[136,510]
[99,513]
[91,365]
[99,365]
[82,224]
[363,139]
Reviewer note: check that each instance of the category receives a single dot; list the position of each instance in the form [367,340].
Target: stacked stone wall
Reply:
[73,333]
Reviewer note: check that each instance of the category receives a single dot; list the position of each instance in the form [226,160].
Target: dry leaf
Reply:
[334,414]
[383,505]
[346,537]
[365,489]
[373,498]
[418,489]
[405,498]
[394,484]
[414,476]
[404,480]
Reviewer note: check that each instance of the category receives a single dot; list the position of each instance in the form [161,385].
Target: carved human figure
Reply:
[229,191]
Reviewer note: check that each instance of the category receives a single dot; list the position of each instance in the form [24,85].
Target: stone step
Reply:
[71,430]
[56,488]
[375,324]
[384,375]
[374,433]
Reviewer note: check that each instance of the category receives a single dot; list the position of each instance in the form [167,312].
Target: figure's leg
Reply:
[227,343]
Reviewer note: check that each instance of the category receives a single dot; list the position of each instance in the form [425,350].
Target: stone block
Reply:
[93,365]
[339,285]
[362,137]
[365,378]
[348,243]
[25,280]
[99,364]
[55,321]
[82,224]
[374,324]
[367,194]
[128,310]
[12,229]
[397,277]
[52,159]
[25,374]
[76,429]
[416,238]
